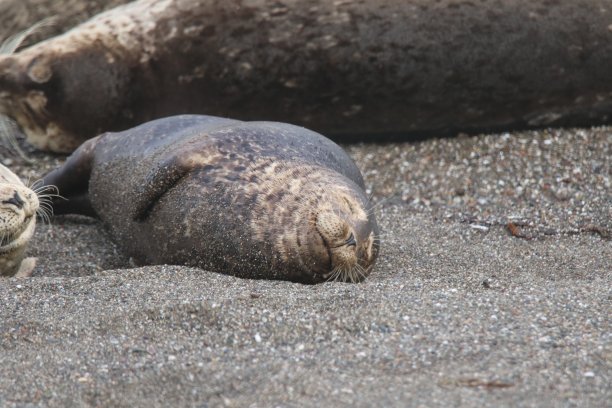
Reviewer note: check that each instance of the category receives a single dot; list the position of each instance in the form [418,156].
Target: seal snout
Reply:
[17,203]
[349,243]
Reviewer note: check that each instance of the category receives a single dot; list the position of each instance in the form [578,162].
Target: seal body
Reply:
[252,199]
[18,206]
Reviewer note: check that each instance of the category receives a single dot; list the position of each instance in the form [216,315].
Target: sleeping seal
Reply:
[252,199]
[18,207]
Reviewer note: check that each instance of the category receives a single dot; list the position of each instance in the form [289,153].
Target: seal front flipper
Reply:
[157,183]
[26,268]
[72,181]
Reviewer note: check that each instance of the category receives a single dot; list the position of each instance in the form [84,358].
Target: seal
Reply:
[352,70]
[18,208]
[251,199]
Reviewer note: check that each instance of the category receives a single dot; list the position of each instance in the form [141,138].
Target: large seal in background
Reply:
[347,69]
[251,199]
[18,206]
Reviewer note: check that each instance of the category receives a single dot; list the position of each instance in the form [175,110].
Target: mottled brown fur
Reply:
[252,199]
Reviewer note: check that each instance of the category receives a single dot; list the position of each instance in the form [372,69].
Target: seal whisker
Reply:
[348,275]
[333,274]
[340,274]
[363,273]
[50,196]
[44,191]
[352,275]
[45,211]
[357,274]
[45,194]
[5,239]
[35,184]
[8,138]
[343,274]
[374,207]
[12,43]
[383,236]
[44,217]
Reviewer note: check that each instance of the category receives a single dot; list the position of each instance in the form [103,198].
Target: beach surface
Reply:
[493,288]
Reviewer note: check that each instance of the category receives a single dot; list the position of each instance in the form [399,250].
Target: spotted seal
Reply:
[18,207]
[349,69]
[252,199]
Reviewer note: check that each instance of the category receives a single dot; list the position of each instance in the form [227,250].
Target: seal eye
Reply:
[351,241]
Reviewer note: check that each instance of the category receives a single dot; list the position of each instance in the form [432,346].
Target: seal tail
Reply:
[8,128]
[72,182]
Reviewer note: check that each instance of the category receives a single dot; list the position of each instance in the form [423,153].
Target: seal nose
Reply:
[16,200]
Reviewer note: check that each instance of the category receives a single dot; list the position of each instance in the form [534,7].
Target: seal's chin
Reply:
[346,266]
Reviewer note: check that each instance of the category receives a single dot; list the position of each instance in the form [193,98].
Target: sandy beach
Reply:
[493,288]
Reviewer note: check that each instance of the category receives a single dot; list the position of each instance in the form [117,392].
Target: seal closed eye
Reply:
[251,199]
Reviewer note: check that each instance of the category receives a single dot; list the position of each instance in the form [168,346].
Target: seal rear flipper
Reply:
[157,183]
[74,205]
[72,181]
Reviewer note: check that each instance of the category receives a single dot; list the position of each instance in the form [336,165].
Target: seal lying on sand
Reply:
[251,199]
[18,206]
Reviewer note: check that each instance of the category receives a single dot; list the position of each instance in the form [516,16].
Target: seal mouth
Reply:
[343,266]
[347,273]
[9,240]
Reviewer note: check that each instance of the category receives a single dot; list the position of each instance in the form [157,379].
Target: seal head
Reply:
[349,235]
[317,221]
[18,206]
